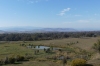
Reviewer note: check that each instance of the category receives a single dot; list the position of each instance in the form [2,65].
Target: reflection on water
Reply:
[43,47]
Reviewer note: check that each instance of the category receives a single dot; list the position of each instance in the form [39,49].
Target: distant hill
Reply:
[34,30]
[1,31]
[59,29]
[54,30]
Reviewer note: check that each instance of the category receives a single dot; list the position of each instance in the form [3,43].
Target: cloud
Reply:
[96,14]
[64,11]
[83,21]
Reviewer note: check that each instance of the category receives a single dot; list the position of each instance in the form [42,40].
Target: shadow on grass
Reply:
[0,65]
[26,60]
[21,61]
[88,65]
[18,63]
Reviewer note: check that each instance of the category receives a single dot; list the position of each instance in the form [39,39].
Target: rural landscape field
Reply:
[58,49]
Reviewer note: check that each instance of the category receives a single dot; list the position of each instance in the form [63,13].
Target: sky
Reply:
[79,14]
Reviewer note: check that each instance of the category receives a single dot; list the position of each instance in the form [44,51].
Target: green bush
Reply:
[12,60]
[78,62]
[6,60]
[19,58]
[22,58]
[1,62]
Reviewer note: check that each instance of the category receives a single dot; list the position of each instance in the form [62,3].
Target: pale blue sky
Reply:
[50,13]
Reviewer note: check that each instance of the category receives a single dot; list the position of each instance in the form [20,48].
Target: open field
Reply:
[71,47]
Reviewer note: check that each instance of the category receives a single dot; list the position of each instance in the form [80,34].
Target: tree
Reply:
[97,46]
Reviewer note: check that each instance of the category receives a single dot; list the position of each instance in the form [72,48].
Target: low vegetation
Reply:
[78,62]
[61,52]
[97,46]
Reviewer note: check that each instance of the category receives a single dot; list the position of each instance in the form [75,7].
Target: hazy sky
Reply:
[50,13]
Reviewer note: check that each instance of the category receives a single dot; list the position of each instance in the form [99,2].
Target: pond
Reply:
[42,47]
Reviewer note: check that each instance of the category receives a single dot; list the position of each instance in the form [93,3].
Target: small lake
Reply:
[42,47]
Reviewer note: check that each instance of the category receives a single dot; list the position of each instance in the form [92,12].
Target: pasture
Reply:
[70,47]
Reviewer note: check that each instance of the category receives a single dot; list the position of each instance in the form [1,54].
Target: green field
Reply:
[71,47]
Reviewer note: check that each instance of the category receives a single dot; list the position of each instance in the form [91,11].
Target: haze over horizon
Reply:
[77,14]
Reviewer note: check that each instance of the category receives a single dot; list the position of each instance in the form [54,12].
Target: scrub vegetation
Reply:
[83,51]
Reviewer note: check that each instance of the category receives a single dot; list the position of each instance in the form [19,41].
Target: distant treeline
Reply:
[46,36]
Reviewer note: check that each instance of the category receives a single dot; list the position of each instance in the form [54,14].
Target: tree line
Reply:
[45,36]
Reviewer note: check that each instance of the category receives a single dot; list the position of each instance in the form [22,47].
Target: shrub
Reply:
[12,60]
[78,62]
[1,62]
[97,46]
[6,60]
[47,50]
[64,61]
[77,42]
[41,59]
[20,58]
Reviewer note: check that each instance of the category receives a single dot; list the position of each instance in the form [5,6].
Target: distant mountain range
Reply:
[34,30]
[59,29]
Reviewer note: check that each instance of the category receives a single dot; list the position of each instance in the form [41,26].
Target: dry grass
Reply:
[13,47]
